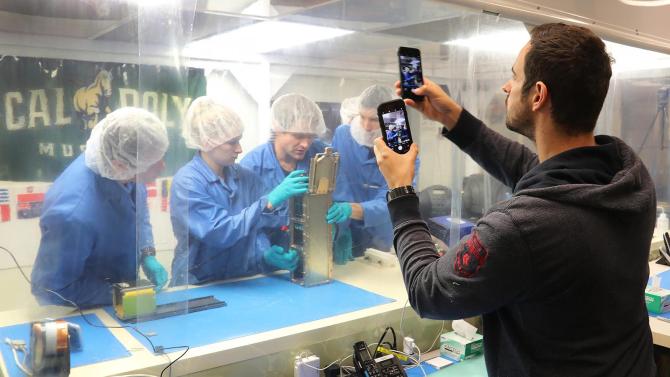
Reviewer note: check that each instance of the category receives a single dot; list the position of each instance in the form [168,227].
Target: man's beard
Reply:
[363,137]
[522,123]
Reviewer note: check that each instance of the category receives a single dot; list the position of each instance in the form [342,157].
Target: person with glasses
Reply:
[296,123]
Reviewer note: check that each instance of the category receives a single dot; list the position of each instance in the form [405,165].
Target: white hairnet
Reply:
[373,96]
[126,143]
[349,109]
[296,113]
[208,124]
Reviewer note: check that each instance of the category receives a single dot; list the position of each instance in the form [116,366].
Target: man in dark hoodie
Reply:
[559,270]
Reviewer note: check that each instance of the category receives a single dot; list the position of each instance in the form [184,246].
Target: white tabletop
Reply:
[386,281]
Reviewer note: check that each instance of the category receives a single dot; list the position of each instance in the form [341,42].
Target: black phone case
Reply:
[387,107]
[407,93]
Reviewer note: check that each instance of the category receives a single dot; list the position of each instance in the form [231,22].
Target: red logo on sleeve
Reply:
[471,257]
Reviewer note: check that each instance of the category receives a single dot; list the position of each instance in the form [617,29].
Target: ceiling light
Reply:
[152,3]
[646,3]
[504,41]
[627,58]
[263,37]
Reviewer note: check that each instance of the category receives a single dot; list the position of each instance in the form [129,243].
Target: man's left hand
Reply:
[338,212]
[397,169]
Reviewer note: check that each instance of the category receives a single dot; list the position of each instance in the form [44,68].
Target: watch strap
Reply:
[398,192]
[147,251]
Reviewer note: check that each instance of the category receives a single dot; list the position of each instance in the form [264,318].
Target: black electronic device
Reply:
[384,366]
[411,72]
[479,193]
[363,362]
[665,250]
[394,123]
[435,201]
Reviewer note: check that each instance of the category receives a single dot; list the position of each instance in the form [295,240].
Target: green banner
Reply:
[48,107]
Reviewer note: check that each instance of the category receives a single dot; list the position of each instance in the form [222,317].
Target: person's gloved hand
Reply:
[276,257]
[342,245]
[338,212]
[154,271]
[293,185]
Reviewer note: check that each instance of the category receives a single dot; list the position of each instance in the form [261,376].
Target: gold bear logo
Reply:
[89,100]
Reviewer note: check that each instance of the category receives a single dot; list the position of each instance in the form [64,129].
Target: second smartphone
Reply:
[394,125]
[411,72]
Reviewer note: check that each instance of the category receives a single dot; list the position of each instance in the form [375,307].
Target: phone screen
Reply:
[411,72]
[396,130]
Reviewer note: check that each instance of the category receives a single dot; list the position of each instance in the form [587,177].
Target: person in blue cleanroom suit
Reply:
[219,210]
[91,237]
[360,194]
[296,121]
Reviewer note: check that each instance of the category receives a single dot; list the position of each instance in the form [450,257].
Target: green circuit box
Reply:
[133,300]
[657,300]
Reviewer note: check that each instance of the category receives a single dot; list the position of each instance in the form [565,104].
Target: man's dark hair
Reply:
[572,62]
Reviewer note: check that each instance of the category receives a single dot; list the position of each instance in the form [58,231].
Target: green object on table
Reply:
[133,299]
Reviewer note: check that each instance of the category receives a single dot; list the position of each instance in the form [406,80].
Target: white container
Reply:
[662,225]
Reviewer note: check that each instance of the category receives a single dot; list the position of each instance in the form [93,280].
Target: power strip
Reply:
[307,366]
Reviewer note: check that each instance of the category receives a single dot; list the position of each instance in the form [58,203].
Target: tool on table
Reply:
[136,302]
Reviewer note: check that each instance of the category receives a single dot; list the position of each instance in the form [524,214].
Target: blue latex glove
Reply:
[154,271]
[338,212]
[293,185]
[276,257]
[342,244]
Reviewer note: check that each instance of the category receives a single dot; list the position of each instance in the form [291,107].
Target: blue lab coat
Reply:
[219,224]
[263,161]
[360,181]
[89,236]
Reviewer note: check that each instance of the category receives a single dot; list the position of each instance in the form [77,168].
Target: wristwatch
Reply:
[147,251]
[398,192]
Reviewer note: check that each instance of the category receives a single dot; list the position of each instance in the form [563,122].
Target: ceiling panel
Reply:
[258,8]
[64,27]
[373,15]
[452,28]
[69,9]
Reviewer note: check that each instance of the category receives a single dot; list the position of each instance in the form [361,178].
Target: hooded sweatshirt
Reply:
[558,271]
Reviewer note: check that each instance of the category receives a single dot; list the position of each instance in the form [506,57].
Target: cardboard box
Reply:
[657,300]
[460,348]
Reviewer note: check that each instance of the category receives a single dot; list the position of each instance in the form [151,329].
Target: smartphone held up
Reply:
[411,72]
[395,126]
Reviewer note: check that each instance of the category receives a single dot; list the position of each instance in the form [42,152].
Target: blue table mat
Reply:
[98,344]
[665,283]
[253,306]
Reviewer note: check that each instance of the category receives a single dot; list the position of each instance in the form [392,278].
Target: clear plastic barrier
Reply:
[155,160]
